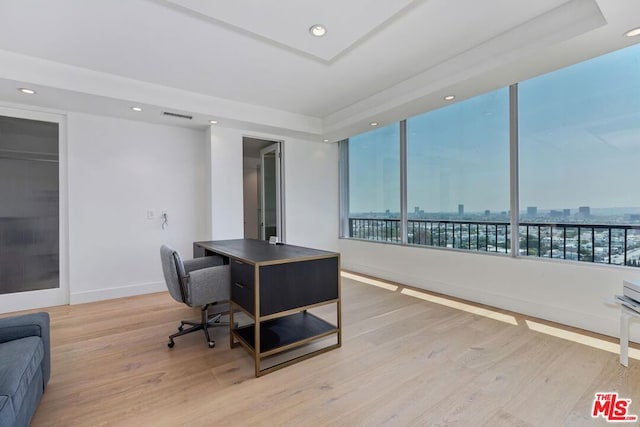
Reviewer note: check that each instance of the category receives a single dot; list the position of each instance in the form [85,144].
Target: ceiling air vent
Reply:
[182,116]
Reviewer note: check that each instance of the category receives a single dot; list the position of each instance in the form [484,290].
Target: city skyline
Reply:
[594,211]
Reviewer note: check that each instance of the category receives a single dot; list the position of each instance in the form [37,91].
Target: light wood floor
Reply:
[404,361]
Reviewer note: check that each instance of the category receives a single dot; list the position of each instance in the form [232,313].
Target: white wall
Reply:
[311,188]
[226,183]
[565,292]
[311,194]
[118,170]
[251,168]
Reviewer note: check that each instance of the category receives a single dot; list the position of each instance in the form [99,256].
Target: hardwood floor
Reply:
[404,361]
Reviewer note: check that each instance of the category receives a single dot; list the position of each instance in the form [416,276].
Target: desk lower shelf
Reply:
[287,332]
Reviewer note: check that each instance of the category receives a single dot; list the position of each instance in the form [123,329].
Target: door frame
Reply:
[47,297]
[276,147]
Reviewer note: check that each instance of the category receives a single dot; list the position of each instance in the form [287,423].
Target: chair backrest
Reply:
[173,270]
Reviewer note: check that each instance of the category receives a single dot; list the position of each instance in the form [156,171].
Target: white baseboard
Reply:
[116,292]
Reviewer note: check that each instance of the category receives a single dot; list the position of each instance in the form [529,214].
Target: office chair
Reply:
[201,282]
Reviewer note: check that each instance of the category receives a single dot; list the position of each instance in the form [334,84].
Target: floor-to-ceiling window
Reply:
[374,185]
[458,175]
[579,150]
[575,177]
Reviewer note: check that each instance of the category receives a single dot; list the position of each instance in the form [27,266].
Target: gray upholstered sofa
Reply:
[25,366]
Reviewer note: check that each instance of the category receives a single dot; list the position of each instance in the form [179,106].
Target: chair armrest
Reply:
[28,325]
[209,285]
[202,262]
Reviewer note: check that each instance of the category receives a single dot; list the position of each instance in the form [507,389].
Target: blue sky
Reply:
[579,146]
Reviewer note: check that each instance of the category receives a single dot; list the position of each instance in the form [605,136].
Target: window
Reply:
[578,146]
[374,185]
[458,175]
[579,175]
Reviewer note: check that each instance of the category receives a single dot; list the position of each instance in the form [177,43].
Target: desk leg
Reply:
[256,350]
[624,337]
[231,310]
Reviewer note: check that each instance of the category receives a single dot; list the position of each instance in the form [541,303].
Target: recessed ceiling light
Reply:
[449,97]
[213,122]
[374,123]
[325,140]
[136,109]
[633,33]
[317,30]
[27,91]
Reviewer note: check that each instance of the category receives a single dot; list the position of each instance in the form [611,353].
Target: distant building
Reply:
[634,217]
[532,211]
[566,212]
[555,214]
[487,212]
[416,209]
[584,211]
[461,209]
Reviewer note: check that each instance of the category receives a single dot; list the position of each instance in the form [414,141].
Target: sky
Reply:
[579,145]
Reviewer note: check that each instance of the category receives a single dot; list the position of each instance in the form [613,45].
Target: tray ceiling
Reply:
[286,22]
[253,64]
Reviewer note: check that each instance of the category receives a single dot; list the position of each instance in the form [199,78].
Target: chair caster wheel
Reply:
[180,328]
[170,344]
[211,344]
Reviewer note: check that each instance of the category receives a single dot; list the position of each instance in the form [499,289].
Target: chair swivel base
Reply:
[204,325]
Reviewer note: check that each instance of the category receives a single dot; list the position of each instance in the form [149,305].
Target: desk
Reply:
[275,286]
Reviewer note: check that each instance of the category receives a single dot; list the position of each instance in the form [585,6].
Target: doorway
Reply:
[263,189]
[32,213]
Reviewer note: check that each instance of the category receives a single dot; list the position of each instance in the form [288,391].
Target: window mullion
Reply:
[403,182]
[344,188]
[514,181]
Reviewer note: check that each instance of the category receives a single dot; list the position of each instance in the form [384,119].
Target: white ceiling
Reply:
[357,19]
[252,63]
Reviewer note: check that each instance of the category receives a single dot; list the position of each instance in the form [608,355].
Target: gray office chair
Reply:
[201,282]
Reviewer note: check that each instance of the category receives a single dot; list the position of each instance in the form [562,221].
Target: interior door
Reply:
[32,212]
[270,193]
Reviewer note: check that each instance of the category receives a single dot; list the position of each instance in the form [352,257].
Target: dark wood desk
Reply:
[276,285]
